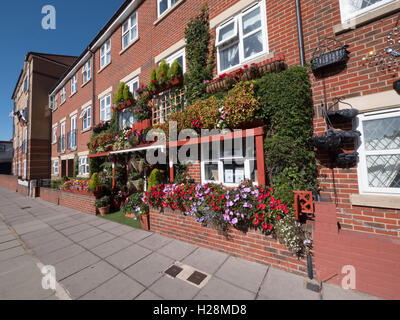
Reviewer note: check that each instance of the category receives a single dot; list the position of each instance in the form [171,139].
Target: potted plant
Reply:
[103,205]
[95,185]
[175,74]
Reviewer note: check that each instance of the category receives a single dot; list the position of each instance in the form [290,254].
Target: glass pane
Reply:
[382,134]
[233,173]
[211,172]
[251,21]
[229,57]
[125,40]
[227,31]
[384,171]
[133,20]
[173,2]
[253,44]
[253,171]
[163,6]
[133,33]
[367,3]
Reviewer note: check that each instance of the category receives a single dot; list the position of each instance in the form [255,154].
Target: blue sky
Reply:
[77,23]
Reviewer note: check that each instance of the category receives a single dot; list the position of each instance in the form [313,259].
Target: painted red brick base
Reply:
[70,200]
[376,258]
[253,246]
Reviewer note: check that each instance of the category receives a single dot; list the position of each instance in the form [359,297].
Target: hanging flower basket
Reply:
[331,141]
[335,57]
[342,115]
[347,159]
[348,136]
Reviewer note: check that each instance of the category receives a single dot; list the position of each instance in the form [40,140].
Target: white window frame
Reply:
[73,128]
[24,168]
[55,168]
[169,6]
[105,109]
[74,84]
[220,45]
[346,15]
[131,83]
[362,170]
[55,130]
[55,101]
[220,162]
[86,117]
[63,133]
[128,30]
[62,95]
[180,53]
[105,54]
[83,166]
[86,72]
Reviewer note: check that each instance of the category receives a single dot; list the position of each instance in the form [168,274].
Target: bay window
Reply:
[242,37]
[379,166]
[129,30]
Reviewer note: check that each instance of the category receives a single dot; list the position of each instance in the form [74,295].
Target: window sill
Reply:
[62,103]
[129,45]
[73,94]
[104,67]
[367,18]
[84,84]
[376,201]
[167,12]
[86,130]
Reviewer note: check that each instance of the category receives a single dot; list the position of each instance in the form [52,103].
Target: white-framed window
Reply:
[133,85]
[179,55]
[54,101]
[72,134]
[86,72]
[164,5]
[86,117]
[55,169]
[74,83]
[379,152]
[350,9]
[25,169]
[242,37]
[126,119]
[62,95]
[129,30]
[229,162]
[105,54]
[83,166]
[62,137]
[19,168]
[55,129]
[105,108]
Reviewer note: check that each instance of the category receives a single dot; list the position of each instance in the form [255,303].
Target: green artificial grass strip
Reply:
[119,217]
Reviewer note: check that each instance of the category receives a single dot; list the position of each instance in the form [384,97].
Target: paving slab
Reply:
[217,289]
[206,260]
[137,235]
[281,285]
[88,279]
[174,289]
[121,287]
[232,272]
[150,269]
[121,230]
[44,240]
[96,240]
[129,256]
[11,253]
[52,246]
[9,245]
[108,226]
[6,238]
[148,296]
[155,242]
[85,234]
[60,255]
[75,229]
[75,264]
[110,247]
[177,250]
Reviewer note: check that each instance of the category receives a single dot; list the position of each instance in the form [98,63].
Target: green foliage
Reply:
[175,71]
[102,202]
[127,94]
[95,182]
[197,38]
[56,184]
[114,125]
[153,80]
[287,110]
[76,166]
[154,179]
[119,96]
[141,110]
[181,174]
[162,72]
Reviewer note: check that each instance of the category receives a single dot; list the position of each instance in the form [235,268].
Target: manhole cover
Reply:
[173,271]
[197,278]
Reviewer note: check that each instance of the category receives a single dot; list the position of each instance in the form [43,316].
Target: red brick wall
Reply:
[376,258]
[253,246]
[23,190]
[79,202]
[9,182]
[194,171]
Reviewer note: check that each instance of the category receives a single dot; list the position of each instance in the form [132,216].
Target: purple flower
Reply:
[246,205]
[234,221]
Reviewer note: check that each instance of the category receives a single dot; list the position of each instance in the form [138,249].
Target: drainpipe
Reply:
[300,33]
[93,85]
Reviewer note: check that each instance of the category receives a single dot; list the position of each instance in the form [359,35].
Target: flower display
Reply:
[76,185]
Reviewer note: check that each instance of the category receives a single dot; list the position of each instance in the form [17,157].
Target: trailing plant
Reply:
[181,174]
[141,110]
[287,110]
[56,184]
[197,38]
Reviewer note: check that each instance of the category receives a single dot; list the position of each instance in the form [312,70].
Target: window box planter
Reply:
[331,141]
[104,211]
[98,193]
[338,57]
[145,221]
[348,136]
[125,104]
[178,81]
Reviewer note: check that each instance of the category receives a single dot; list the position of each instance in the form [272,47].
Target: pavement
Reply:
[95,259]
